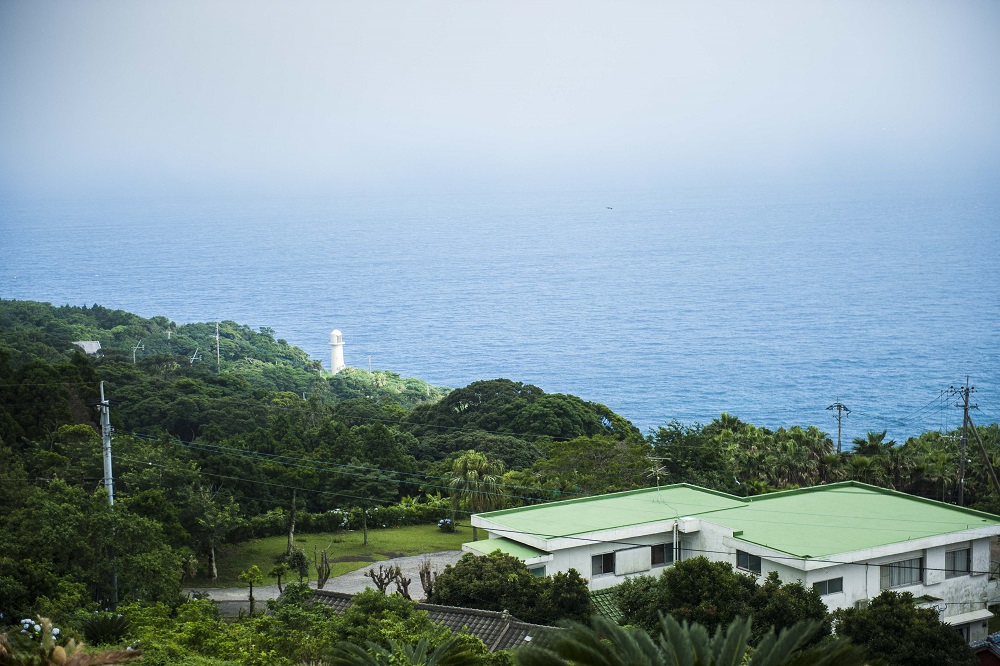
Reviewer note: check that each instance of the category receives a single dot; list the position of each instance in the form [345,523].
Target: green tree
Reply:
[501,582]
[777,606]
[476,482]
[597,465]
[896,632]
[298,562]
[251,577]
[712,594]
[215,518]
[706,592]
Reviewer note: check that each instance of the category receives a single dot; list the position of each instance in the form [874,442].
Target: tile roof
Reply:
[604,604]
[498,630]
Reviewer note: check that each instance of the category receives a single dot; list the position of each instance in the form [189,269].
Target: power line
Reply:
[322,466]
[641,508]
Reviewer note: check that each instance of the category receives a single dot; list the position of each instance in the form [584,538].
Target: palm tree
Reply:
[939,467]
[865,469]
[607,644]
[873,444]
[477,482]
[893,460]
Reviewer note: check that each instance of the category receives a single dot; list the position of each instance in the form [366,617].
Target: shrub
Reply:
[105,628]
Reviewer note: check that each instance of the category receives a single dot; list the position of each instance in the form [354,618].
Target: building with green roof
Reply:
[849,541]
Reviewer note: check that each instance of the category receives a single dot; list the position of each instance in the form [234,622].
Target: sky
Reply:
[194,95]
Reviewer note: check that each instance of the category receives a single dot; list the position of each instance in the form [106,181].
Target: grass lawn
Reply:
[345,550]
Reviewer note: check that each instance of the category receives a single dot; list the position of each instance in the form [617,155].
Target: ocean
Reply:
[669,304]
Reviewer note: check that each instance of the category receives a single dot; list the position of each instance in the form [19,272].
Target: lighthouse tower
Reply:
[336,352]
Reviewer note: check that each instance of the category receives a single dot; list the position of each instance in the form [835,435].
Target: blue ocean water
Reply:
[662,305]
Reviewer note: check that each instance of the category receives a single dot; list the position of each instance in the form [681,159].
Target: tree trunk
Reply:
[211,563]
[291,527]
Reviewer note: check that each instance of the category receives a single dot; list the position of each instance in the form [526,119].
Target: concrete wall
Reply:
[579,558]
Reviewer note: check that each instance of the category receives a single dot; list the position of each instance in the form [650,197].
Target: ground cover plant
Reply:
[345,549]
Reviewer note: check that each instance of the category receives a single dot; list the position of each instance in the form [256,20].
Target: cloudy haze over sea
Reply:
[673,208]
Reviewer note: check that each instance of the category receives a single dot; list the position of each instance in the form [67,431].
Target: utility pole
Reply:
[986,457]
[964,392]
[842,411]
[137,347]
[109,482]
[218,359]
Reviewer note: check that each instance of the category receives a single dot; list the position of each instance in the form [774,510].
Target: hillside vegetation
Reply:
[268,445]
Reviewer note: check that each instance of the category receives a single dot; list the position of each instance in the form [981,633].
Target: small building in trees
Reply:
[848,541]
[91,347]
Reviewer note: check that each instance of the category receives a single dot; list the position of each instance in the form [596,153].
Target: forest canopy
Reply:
[265,441]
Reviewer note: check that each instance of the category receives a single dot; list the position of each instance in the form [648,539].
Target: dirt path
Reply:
[352,582]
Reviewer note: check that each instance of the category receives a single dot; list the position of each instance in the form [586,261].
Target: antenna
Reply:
[195,356]
[137,347]
[656,470]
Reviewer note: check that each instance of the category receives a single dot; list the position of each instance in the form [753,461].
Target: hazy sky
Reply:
[123,95]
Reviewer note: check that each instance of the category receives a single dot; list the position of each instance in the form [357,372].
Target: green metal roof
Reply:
[809,522]
[519,550]
[844,517]
[592,514]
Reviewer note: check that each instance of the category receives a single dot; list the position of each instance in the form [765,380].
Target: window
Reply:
[902,573]
[602,564]
[537,571]
[663,554]
[830,586]
[747,562]
[958,563]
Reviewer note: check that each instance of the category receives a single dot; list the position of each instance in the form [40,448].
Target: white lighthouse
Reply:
[336,352]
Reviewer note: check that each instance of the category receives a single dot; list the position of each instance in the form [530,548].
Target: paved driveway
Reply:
[233,599]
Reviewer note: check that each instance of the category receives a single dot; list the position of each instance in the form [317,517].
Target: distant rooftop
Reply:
[808,522]
[88,346]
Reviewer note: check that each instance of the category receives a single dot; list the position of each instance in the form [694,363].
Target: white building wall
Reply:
[860,571]
[580,558]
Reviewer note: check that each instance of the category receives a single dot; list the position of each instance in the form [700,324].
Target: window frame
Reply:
[667,549]
[823,586]
[749,562]
[886,573]
[949,569]
[605,558]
